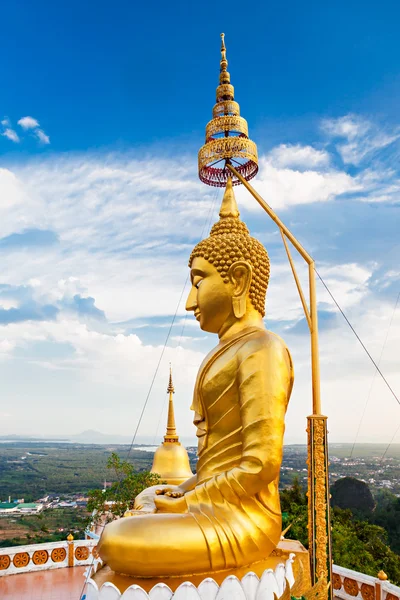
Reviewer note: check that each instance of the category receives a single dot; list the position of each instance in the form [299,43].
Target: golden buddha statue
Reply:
[228,515]
[171,460]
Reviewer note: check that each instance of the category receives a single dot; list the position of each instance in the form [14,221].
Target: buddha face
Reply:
[211,299]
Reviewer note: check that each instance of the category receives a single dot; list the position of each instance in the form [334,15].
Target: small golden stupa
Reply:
[171,460]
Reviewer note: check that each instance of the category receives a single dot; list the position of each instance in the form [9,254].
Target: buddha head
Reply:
[229,272]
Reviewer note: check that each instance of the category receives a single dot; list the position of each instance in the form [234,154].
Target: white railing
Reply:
[91,535]
[351,585]
[347,584]
[40,557]
[272,584]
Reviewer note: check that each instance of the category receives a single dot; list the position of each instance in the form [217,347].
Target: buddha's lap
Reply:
[166,544]
[171,542]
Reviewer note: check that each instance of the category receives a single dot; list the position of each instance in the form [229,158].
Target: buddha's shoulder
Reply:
[264,341]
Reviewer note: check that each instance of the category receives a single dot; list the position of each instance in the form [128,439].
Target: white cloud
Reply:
[11,135]
[297,156]
[12,192]
[350,282]
[363,137]
[284,187]
[6,347]
[127,210]
[355,152]
[100,363]
[28,123]
[42,137]
[185,338]
[349,126]
[125,228]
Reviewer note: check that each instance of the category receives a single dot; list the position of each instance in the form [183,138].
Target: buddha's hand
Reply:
[145,500]
[170,504]
[173,491]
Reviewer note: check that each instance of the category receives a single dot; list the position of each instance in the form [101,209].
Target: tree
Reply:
[294,511]
[354,494]
[293,495]
[387,515]
[112,502]
[356,544]
[362,546]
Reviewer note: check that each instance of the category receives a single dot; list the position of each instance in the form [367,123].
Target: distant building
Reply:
[28,508]
[7,508]
[67,505]
[82,501]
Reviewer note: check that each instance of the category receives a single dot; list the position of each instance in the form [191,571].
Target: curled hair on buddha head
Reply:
[231,241]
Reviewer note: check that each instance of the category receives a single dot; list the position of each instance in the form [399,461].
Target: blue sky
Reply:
[102,111]
[97,74]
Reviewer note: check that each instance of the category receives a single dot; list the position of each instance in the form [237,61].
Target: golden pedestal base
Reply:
[301,568]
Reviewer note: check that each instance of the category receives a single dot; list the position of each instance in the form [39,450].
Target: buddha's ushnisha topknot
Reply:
[231,241]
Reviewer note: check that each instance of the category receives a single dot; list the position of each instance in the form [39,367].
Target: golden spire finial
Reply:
[224,62]
[170,387]
[227,136]
[229,206]
[171,435]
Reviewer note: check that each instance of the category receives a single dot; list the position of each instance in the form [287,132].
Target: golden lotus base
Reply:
[301,570]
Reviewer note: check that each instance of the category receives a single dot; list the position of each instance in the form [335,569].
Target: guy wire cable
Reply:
[374,376]
[205,228]
[166,341]
[358,337]
[390,443]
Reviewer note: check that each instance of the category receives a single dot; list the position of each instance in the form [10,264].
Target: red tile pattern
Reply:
[53,584]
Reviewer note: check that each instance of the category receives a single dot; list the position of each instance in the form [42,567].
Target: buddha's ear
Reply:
[240,274]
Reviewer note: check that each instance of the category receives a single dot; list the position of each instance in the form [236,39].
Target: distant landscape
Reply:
[90,436]
[34,469]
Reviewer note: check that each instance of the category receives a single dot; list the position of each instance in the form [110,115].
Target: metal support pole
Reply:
[316,389]
[319,522]
[318,482]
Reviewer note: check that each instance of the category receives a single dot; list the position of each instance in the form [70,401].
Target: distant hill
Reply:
[31,438]
[90,436]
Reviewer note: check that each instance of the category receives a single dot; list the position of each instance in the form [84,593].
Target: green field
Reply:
[365,450]
[51,525]
[59,469]
[62,468]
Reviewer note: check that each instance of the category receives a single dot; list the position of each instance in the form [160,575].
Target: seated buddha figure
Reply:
[228,515]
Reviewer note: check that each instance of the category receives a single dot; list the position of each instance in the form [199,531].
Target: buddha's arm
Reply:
[265,378]
[265,382]
[188,485]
